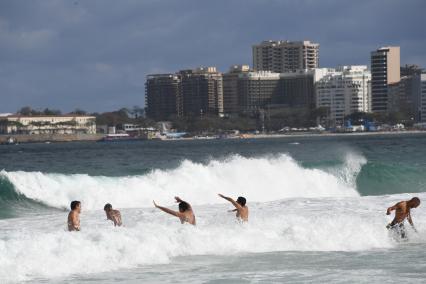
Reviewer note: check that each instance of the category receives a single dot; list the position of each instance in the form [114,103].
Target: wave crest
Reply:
[258,179]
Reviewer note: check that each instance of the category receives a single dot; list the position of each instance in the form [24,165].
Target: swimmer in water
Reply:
[185,213]
[74,216]
[402,212]
[113,215]
[240,207]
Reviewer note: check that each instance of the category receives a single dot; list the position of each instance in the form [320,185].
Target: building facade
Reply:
[385,71]
[61,124]
[285,56]
[186,93]
[419,95]
[256,90]
[247,91]
[422,100]
[230,89]
[344,90]
[201,91]
[296,89]
[162,96]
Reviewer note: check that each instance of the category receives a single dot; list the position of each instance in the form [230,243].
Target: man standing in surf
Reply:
[185,213]
[240,207]
[74,216]
[402,211]
[113,215]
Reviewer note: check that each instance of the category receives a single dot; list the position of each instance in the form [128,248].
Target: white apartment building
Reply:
[285,56]
[343,91]
[60,124]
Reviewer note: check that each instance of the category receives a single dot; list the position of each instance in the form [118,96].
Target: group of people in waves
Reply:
[186,214]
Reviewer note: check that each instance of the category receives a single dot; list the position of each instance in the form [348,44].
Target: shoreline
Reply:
[61,138]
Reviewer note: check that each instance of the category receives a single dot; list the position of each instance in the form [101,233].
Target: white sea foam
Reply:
[292,208]
[258,179]
[34,248]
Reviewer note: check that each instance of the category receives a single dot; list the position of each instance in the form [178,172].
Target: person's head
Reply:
[183,206]
[107,207]
[76,205]
[414,202]
[241,200]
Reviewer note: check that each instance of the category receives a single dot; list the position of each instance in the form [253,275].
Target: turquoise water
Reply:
[317,210]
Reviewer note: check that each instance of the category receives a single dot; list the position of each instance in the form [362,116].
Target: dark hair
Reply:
[183,206]
[241,200]
[74,204]
[107,207]
[415,200]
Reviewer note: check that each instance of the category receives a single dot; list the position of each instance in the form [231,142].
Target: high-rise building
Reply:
[402,95]
[422,99]
[256,90]
[296,89]
[188,92]
[162,96]
[230,88]
[248,91]
[285,56]
[419,96]
[385,71]
[344,90]
[201,91]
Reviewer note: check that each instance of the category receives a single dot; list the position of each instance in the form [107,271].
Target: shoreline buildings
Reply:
[162,96]
[286,75]
[344,90]
[192,92]
[58,124]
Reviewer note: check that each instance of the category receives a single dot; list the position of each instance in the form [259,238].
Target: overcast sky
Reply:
[95,54]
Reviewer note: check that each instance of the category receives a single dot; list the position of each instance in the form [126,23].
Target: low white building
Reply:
[60,124]
[344,90]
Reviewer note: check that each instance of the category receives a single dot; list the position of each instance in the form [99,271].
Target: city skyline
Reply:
[96,56]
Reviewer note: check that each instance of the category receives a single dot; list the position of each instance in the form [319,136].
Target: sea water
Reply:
[317,211]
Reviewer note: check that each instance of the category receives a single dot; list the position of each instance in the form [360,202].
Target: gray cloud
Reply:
[95,54]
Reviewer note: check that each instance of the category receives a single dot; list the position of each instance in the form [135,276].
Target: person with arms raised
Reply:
[185,213]
[240,207]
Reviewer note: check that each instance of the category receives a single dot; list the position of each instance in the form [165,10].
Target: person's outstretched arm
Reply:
[411,221]
[238,206]
[167,210]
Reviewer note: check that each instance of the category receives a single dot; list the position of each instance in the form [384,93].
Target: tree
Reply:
[79,111]
[137,112]
[48,111]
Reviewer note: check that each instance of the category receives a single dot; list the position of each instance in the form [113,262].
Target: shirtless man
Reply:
[402,211]
[113,215]
[74,216]
[185,213]
[240,207]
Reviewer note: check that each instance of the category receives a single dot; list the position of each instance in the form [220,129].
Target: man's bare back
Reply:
[403,211]
[243,213]
[113,215]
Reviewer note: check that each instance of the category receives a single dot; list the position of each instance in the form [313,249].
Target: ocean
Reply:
[317,211]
